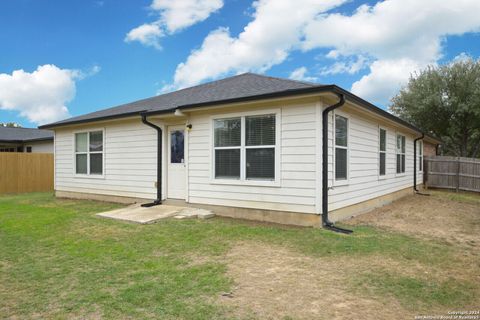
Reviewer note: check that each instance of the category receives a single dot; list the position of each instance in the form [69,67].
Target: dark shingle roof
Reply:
[243,87]
[240,86]
[24,134]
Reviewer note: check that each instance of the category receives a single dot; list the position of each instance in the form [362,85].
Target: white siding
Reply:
[130,161]
[364,182]
[40,146]
[297,189]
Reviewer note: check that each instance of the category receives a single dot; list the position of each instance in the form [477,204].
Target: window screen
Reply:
[261,163]
[260,160]
[260,130]
[227,132]
[382,152]
[227,163]
[255,153]
[341,131]
[400,153]
[420,156]
[340,164]
[89,153]
[341,148]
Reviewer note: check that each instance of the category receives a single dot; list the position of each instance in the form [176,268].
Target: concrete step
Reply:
[196,213]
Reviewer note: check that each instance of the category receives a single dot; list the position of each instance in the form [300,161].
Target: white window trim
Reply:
[345,181]
[401,174]
[88,175]
[382,177]
[420,155]
[243,181]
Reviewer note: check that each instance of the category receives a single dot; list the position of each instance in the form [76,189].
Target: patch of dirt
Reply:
[273,282]
[428,216]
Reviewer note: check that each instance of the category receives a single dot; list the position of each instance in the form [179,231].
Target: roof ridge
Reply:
[293,80]
[206,83]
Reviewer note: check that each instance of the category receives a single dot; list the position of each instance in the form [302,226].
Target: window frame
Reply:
[346,181]
[276,182]
[404,172]
[384,176]
[88,152]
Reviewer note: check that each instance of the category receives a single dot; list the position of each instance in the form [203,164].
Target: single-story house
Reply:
[15,139]
[248,146]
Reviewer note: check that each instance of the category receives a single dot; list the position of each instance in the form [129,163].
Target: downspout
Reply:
[327,224]
[415,166]
[157,201]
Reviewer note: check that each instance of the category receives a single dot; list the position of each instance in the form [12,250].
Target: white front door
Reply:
[176,162]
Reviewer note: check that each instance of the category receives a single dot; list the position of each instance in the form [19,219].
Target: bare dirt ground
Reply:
[275,282]
[436,216]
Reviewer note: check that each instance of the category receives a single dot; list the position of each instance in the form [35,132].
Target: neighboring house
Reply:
[14,139]
[430,149]
[247,146]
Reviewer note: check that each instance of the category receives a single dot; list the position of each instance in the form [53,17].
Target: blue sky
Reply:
[81,56]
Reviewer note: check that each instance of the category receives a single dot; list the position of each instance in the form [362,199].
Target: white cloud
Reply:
[275,31]
[300,74]
[392,33]
[385,79]
[400,36]
[146,34]
[40,96]
[174,16]
[350,66]
[463,56]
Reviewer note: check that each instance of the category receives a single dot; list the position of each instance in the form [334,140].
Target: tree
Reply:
[10,124]
[445,101]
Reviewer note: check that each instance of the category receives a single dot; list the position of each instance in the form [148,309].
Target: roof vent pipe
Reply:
[159,162]
[327,224]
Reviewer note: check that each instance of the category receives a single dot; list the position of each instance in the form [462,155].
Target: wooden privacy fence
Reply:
[26,172]
[452,173]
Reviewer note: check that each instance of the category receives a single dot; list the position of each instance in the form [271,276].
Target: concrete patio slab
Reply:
[138,214]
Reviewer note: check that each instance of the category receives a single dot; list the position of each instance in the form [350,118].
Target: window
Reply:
[20,149]
[400,153]
[382,152]
[245,147]
[177,143]
[341,147]
[29,149]
[89,153]
[227,134]
[420,156]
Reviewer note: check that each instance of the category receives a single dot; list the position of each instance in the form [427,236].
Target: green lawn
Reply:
[58,260]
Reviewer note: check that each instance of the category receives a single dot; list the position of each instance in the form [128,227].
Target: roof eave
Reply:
[68,123]
[38,139]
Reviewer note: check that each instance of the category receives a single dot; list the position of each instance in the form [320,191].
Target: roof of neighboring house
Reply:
[243,87]
[20,135]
